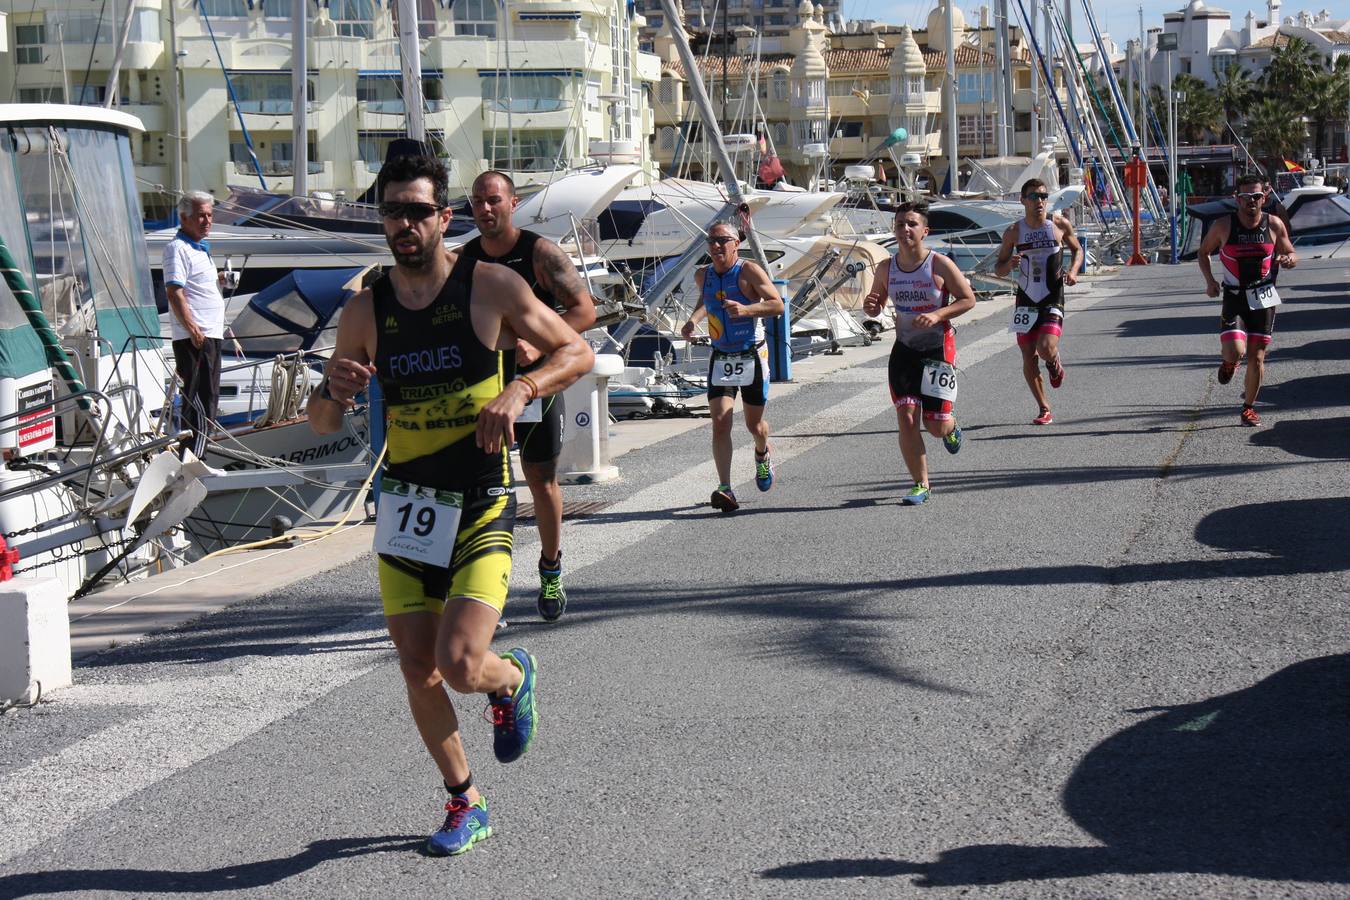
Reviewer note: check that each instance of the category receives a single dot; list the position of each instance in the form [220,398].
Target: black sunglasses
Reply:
[1036,197]
[720,240]
[413,212]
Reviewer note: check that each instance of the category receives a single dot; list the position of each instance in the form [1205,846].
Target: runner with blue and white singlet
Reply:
[927,291]
[735,296]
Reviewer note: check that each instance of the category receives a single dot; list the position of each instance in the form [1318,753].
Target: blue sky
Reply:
[1121,19]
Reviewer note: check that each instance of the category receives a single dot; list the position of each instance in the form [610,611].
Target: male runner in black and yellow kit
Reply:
[554,280]
[432,331]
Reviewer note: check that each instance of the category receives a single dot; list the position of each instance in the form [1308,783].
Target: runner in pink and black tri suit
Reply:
[1250,244]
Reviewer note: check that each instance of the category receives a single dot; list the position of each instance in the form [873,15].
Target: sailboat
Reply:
[94,486]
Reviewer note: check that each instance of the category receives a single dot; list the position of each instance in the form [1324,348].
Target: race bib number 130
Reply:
[1262,296]
[416,522]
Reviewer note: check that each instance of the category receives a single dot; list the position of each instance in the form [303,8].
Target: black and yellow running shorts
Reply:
[480,565]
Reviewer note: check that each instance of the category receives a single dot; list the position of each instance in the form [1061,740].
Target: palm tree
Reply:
[1236,89]
[1278,130]
[1291,70]
[1200,112]
[1328,97]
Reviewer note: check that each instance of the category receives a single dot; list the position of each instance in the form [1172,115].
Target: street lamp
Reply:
[1167,43]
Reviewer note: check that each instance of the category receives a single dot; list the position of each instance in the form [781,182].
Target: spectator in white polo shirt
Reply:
[198,320]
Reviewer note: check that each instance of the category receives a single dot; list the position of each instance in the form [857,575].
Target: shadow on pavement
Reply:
[260,874]
[1319,439]
[248,630]
[1313,392]
[1314,351]
[814,618]
[1252,784]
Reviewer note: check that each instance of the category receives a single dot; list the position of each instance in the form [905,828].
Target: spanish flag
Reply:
[1291,166]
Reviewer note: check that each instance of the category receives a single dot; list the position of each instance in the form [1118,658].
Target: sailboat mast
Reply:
[410,52]
[949,101]
[1002,83]
[110,91]
[299,98]
[713,132]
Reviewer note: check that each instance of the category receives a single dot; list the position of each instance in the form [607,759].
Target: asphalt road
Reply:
[1108,658]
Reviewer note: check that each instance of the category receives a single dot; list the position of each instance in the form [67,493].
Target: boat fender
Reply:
[8,557]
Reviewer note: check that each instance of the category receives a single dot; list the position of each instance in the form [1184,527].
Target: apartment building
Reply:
[525,85]
[846,90]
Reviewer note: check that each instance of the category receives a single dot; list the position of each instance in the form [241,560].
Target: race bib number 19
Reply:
[417,523]
[939,381]
[1023,318]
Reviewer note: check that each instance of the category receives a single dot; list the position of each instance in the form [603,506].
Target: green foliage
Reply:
[1200,113]
[1276,129]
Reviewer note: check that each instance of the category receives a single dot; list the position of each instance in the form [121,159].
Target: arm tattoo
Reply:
[558,274]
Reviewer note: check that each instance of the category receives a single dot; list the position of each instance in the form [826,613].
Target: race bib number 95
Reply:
[733,369]
[416,522]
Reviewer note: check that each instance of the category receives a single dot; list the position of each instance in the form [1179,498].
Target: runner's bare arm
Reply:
[349,370]
[1008,258]
[875,301]
[555,272]
[699,313]
[1284,247]
[759,288]
[1213,240]
[1071,241]
[504,306]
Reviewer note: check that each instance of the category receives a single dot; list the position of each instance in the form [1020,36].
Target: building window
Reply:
[841,87]
[968,130]
[527,93]
[848,130]
[968,87]
[28,41]
[371,147]
[223,9]
[534,151]
[667,141]
[780,134]
[262,92]
[353,18]
[40,95]
[881,86]
[915,126]
[780,86]
[476,17]
[665,92]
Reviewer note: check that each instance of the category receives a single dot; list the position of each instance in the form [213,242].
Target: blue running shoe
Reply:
[917,494]
[763,471]
[465,825]
[953,441]
[515,718]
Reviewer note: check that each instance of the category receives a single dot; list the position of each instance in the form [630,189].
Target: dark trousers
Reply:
[199,376]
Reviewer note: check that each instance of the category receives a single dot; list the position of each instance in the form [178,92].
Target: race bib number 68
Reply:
[1023,317]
